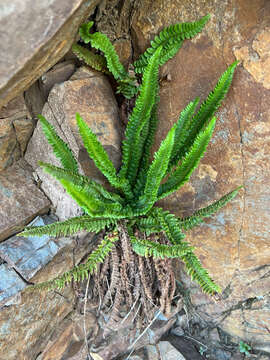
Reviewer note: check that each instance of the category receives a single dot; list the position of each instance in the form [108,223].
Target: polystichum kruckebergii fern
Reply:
[129,215]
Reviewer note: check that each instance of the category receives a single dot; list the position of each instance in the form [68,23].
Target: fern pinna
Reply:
[139,183]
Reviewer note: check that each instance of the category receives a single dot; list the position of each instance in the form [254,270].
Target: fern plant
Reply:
[140,182]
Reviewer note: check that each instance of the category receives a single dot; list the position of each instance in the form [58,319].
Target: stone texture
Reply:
[233,244]
[29,319]
[163,351]
[16,127]
[28,255]
[10,284]
[67,341]
[34,36]
[25,327]
[168,352]
[89,94]
[17,208]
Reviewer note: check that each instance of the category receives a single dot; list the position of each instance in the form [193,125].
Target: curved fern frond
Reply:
[101,42]
[84,31]
[96,61]
[99,155]
[68,227]
[198,216]
[82,182]
[198,273]
[171,39]
[183,172]
[171,226]
[82,271]
[208,108]
[132,145]
[60,148]
[80,189]
[155,174]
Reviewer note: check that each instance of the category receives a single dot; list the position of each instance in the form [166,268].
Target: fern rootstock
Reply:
[128,216]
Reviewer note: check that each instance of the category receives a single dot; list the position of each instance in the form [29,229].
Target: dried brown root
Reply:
[133,285]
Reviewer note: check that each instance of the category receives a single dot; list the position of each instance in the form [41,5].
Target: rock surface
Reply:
[33,37]
[17,208]
[90,94]
[234,244]
[16,127]
[163,351]
[34,316]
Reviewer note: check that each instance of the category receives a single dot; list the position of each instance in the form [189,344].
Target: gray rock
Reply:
[20,199]
[178,331]
[89,94]
[28,255]
[34,35]
[10,283]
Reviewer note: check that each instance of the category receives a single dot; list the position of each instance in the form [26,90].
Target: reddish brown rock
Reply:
[26,326]
[233,244]
[20,200]
[33,37]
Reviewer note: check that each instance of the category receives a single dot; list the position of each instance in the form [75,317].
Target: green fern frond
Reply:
[82,271]
[198,273]
[60,148]
[82,182]
[96,61]
[99,155]
[132,145]
[80,188]
[148,137]
[208,108]
[68,227]
[101,42]
[84,31]
[181,131]
[148,248]
[198,216]
[170,224]
[171,39]
[183,172]
[155,174]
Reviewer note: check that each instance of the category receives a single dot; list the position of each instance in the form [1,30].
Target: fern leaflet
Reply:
[96,61]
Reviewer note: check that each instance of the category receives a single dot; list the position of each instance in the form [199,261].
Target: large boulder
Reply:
[234,244]
[90,94]
[33,37]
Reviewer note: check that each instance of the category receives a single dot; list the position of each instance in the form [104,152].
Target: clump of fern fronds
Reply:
[138,232]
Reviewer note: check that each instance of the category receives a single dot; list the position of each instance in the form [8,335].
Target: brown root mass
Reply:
[129,285]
